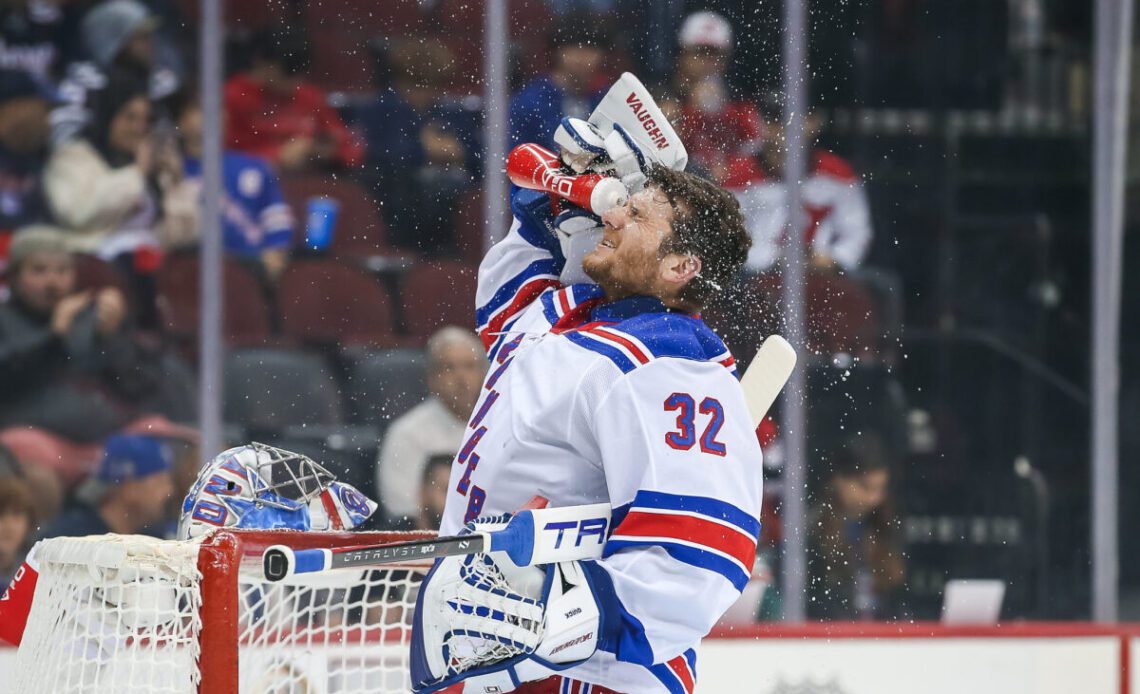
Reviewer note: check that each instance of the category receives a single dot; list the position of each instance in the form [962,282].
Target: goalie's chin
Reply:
[596,264]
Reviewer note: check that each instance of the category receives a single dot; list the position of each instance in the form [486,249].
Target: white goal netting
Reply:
[126,614]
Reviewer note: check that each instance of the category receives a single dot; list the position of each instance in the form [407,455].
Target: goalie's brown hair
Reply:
[708,224]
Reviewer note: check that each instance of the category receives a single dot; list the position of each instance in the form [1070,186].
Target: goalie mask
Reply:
[260,487]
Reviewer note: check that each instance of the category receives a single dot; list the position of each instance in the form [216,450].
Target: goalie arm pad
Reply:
[519,269]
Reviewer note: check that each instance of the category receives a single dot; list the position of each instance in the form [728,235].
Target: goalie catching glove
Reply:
[585,149]
[625,136]
[483,620]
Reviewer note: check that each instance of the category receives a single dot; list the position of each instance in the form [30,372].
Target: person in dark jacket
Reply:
[423,149]
[24,129]
[570,89]
[69,365]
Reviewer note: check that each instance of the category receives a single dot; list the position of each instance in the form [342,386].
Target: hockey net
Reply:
[125,614]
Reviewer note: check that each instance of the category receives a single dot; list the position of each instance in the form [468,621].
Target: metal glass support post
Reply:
[211,316]
[496,31]
[1113,45]
[795,404]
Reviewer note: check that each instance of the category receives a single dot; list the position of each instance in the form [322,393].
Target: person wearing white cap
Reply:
[722,134]
[705,41]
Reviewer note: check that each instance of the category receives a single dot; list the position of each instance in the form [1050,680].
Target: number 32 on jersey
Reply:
[711,418]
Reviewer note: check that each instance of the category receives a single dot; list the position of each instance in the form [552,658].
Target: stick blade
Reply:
[766,376]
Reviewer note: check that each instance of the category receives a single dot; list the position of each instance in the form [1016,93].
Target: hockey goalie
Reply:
[604,386]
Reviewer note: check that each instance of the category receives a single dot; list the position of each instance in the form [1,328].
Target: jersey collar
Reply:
[617,311]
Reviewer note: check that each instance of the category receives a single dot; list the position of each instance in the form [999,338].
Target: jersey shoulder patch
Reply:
[637,341]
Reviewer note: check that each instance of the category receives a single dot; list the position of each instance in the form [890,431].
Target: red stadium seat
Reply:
[340,34]
[359,231]
[439,293]
[327,301]
[245,306]
[462,21]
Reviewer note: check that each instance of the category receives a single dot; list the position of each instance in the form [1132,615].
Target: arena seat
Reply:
[269,388]
[341,32]
[438,293]
[359,231]
[328,301]
[381,385]
[244,302]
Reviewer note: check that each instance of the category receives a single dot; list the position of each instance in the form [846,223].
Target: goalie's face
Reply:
[628,260]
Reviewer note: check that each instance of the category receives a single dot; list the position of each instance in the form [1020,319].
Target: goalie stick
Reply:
[537,536]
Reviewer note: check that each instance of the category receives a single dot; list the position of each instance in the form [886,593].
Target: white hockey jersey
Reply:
[626,403]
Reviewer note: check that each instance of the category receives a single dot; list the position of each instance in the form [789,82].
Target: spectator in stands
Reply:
[433,491]
[122,44]
[37,37]
[843,315]
[721,133]
[855,561]
[108,187]
[24,106]
[423,152]
[121,37]
[456,366]
[257,224]
[569,89]
[836,209]
[17,521]
[128,494]
[273,113]
[71,372]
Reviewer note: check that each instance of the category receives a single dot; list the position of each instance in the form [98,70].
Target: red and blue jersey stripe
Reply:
[679,675]
[703,532]
[630,342]
[624,350]
[514,296]
[571,306]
